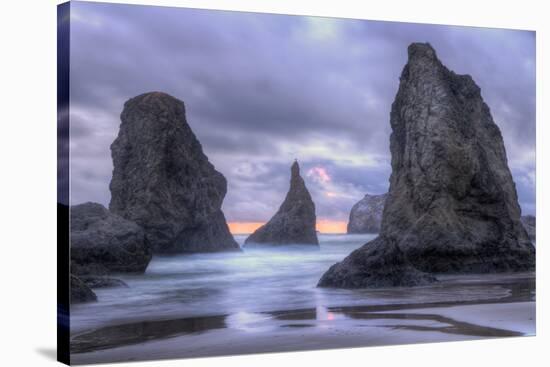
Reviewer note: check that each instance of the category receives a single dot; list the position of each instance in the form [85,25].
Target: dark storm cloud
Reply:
[261,90]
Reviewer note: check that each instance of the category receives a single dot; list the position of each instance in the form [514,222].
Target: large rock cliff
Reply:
[163,181]
[452,206]
[366,215]
[294,222]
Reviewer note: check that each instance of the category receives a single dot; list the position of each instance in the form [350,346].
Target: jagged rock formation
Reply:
[452,205]
[294,222]
[80,292]
[530,225]
[366,215]
[104,243]
[163,181]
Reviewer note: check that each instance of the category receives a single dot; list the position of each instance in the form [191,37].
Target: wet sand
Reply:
[318,328]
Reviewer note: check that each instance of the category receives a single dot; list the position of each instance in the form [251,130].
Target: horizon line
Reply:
[324,226]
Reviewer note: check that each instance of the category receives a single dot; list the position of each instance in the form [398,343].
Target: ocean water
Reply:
[242,285]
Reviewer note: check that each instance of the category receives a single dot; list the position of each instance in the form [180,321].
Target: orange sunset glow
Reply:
[323,226]
[331,226]
[244,227]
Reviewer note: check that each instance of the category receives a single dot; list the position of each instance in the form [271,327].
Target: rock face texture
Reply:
[366,214]
[376,265]
[294,222]
[452,205]
[163,181]
[80,292]
[530,225]
[103,282]
[104,243]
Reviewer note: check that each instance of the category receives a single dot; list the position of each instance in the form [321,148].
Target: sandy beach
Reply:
[320,327]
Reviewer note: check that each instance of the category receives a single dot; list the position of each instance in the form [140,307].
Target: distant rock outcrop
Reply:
[163,181]
[294,222]
[452,206]
[104,243]
[366,214]
[80,292]
[530,225]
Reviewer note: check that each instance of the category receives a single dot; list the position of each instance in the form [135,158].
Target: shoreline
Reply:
[318,327]
[296,331]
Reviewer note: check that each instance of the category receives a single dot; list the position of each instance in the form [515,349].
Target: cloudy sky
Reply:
[261,90]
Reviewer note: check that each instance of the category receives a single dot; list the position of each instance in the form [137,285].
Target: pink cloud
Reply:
[320,174]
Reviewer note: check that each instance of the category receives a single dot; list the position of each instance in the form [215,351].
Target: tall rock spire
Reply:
[163,181]
[452,205]
[294,222]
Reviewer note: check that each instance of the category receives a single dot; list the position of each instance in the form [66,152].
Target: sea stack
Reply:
[294,222]
[452,206]
[366,215]
[163,181]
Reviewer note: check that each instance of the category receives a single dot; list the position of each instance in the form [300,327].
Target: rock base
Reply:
[80,292]
[378,264]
